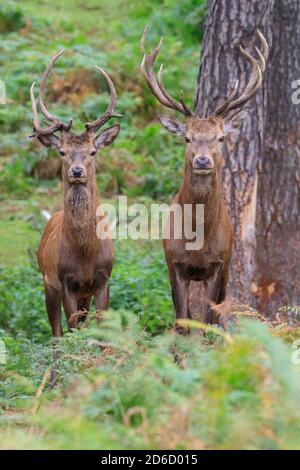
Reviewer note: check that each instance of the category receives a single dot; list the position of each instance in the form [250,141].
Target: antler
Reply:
[258,67]
[110,111]
[156,84]
[57,124]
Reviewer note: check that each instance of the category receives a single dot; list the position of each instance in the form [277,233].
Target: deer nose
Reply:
[77,172]
[202,163]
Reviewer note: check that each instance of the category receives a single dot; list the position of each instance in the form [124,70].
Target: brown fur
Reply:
[210,263]
[76,265]
[202,181]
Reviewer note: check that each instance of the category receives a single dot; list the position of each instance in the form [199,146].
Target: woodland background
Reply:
[133,383]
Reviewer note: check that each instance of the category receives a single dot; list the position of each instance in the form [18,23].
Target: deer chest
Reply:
[197,272]
[84,285]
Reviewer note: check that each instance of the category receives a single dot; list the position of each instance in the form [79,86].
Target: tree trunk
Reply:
[278,204]
[260,184]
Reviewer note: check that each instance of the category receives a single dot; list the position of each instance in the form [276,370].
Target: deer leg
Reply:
[180,294]
[53,307]
[211,294]
[83,306]
[102,298]
[215,292]
[223,284]
[70,307]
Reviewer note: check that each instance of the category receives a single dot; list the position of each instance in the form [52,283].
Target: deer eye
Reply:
[187,140]
[93,152]
[62,153]
[221,138]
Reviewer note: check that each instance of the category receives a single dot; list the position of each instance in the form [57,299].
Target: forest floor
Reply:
[130,382]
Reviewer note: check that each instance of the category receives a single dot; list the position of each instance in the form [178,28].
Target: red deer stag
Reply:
[75,263]
[201,184]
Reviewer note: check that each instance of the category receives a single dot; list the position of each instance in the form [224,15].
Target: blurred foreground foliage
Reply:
[120,388]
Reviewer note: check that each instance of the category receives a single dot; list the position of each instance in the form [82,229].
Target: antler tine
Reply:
[261,60]
[50,117]
[228,100]
[181,107]
[264,44]
[253,84]
[156,84]
[149,75]
[143,39]
[263,57]
[55,126]
[258,67]
[187,109]
[110,111]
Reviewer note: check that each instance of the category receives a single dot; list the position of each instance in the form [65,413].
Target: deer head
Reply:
[77,151]
[204,136]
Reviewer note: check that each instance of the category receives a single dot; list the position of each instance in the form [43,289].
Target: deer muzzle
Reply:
[77,175]
[203,165]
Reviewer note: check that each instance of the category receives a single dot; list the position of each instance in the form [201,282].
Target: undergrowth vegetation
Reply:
[128,382]
[120,388]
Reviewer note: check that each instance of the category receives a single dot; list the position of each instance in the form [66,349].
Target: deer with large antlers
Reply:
[202,184]
[76,264]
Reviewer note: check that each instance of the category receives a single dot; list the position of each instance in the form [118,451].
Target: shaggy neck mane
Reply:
[80,205]
[198,189]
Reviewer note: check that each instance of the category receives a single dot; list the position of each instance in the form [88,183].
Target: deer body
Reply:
[201,185]
[75,263]
[211,262]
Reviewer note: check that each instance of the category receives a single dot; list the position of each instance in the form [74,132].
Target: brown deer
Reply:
[201,184]
[76,264]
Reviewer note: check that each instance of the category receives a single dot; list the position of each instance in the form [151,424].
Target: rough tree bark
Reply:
[278,203]
[261,171]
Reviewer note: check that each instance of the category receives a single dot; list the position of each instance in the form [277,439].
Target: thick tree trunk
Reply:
[278,204]
[260,183]
[229,23]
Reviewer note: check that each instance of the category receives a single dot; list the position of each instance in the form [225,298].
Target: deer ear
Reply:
[107,136]
[173,125]
[50,140]
[233,122]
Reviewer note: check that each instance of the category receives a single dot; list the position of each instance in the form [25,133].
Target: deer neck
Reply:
[206,190]
[80,205]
